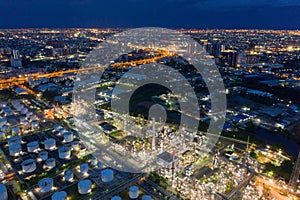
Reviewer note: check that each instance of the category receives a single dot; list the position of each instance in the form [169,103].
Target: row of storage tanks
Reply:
[15,148]
[87,184]
[5,128]
[8,110]
[84,186]
[15,142]
[15,105]
[46,184]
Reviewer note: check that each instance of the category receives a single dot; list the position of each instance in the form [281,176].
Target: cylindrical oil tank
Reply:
[43,155]
[3,121]
[24,111]
[4,129]
[15,130]
[62,131]
[32,146]
[28,166]
[134,192]
[84,168]
[64,152]
[45,185]
[69,175]
[116,198]
[3,104]
[50,143]
[68,136]
[146,197]
[15,149]
[84,186]
[57,127]
[34,124]
[19,107]
[75,145]
[107,175]
[14,140]
[50,163]
[62,195]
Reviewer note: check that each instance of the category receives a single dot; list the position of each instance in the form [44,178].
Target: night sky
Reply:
[261,14]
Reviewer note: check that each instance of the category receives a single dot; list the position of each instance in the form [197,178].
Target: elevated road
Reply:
[21,79]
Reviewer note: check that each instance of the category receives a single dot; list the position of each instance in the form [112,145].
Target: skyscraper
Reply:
[16,60]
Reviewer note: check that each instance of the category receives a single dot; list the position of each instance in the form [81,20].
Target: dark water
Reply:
[290,146]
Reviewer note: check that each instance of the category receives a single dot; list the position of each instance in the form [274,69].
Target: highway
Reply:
[13,81]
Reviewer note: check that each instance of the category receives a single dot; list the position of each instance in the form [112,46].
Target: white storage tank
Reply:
[62,195]
[34,124]
[50,144]
[116,198]
[15,102]
[3,121]
[14,140]
[43,155]
[22,118]
[15,149]
[24,111]
[3,104]
[4,129]
[57,127]
[3,192]
[33,118]
[69,175]
[29,114]
[32,146]
[62,131]
[75,146]
[28,166]
[134,192]
[50,163]
[19,107]
[25,123]
[68,136]
[84,168]
[107,175]
[7,111]
[146,197]
[15,130]
[64,152]
[84,186]
[45,185]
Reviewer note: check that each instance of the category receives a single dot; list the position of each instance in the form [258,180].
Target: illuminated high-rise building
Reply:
[16,60]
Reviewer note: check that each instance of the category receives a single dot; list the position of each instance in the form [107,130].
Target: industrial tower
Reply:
[295,173]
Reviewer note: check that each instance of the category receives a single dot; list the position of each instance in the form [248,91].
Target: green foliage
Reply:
[253,154]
